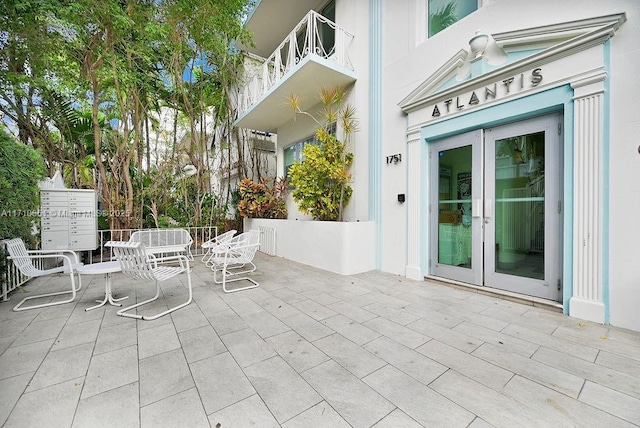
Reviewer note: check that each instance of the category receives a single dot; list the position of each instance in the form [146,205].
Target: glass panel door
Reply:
[522,215]
[455,227]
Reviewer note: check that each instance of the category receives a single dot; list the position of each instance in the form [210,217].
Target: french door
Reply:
[495,207]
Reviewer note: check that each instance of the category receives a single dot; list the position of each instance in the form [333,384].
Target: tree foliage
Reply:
[21,167]
[88,84]
[321,180]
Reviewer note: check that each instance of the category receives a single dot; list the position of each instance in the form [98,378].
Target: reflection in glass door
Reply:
[495,207]
[455,226]
[523,233]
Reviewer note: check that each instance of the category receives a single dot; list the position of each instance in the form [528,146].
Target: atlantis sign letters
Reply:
[490,92]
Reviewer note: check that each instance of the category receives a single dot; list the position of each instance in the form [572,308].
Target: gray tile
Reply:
[220,382]
[156,340]
[38,331]
[510,343]
[280,308]
[241,305]
[18,360]
[512,314]
[398,315]
[49,407]
[62,365]
[320,297]
[355,401]
[397,419]
[452,338]
[201,343]
[473,367]
[400,334]
[12,327]
[563,410]
[350,329]
[188,318]
[12,388]
[265,324]
[619,363]
[225,322]
[436,317]
[116,337]
[480,423]
[488,322]
[352,311]
[163,375]
[491,406]
[349,355]
[606,399]
[314,310]
[576,350]
[604,376]
[321,415]
[288,296]
[118,407]
[111,370]
[596,336]
[180,410]
[412,363]
[306,326]
[248,412]
[297,351]
[417,400]
[284,391]
[247,347]
[77,334]
[553,378]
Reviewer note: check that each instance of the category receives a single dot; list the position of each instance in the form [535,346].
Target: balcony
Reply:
[313,55]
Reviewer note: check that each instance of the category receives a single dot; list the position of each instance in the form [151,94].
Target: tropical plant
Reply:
[261,200]
[321,180]
[441,18]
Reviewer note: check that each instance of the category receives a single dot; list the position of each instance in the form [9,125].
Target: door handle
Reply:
[488,210]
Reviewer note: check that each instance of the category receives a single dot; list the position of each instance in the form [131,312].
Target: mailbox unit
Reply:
[69,219]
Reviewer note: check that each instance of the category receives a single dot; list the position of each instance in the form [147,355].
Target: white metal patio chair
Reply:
[213,243]
[164,241]
[137,263]
[23,260]
[239,252]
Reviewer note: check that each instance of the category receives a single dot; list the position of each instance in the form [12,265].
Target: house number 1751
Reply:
[394,158]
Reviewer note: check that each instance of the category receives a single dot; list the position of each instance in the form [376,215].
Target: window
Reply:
[293,153]
[443,13]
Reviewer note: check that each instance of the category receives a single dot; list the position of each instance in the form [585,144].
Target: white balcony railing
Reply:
[314,35]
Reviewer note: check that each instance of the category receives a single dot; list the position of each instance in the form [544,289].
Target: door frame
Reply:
[477,138]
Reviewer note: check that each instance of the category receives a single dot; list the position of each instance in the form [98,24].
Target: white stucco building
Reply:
[498,152]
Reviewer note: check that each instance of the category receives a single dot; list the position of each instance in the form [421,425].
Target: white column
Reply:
[587,302]
[413,270]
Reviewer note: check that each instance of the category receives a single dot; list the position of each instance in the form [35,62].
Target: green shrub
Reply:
[21,168]
[322,180]
[259,200]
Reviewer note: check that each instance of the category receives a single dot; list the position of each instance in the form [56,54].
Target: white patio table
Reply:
[104,268]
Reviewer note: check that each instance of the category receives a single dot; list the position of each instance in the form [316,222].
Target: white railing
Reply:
[307,38]
[267,240]
[198,234]
[11,278]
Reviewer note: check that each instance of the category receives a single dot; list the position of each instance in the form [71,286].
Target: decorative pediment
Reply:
[490,56]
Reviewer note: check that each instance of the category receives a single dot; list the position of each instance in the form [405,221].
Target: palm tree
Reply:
[439,19]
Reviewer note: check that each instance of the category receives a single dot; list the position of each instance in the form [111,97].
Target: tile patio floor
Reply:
[312,349]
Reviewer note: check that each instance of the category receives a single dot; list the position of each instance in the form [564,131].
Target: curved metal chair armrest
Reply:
[75,255]
[180,257]
[44,256]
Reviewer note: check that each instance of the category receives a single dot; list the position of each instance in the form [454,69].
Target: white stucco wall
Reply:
[409,61]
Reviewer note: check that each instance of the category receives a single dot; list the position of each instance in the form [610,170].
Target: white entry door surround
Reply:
[568,76]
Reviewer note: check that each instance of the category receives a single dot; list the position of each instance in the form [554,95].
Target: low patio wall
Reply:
[341,247]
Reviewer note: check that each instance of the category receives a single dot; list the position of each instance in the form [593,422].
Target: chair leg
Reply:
[122,312]
[224,281]
[73,291]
